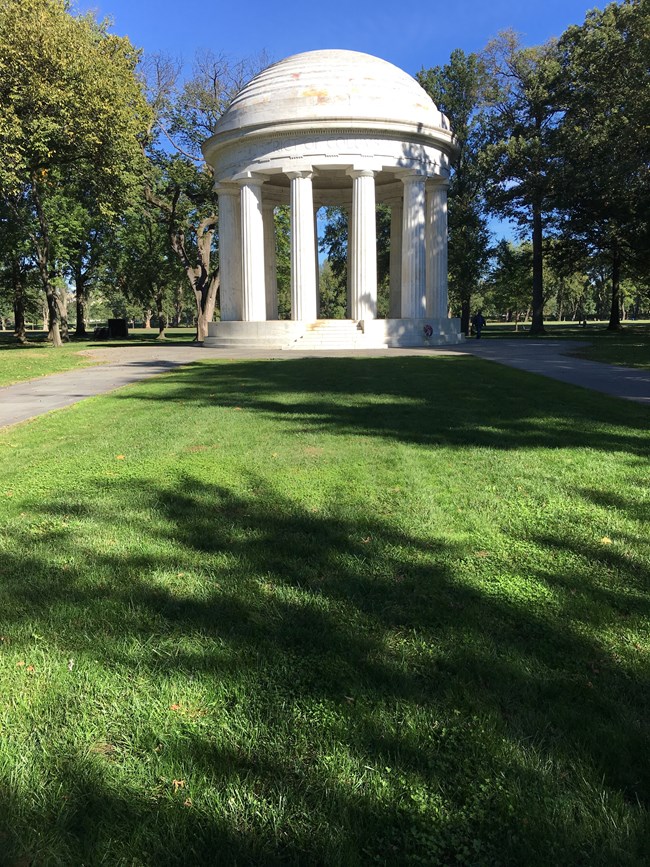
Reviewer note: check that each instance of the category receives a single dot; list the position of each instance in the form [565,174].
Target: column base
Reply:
[334,334]
[414,332]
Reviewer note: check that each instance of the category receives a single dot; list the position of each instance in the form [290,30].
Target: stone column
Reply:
[270,262]
[230,296]
[395,296]
[437,292]
[252,259]
[363,234]
[414,248]
[303,282]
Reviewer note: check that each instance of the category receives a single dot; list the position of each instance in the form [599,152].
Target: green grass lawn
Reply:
[39,358]
[329,611]
[629,347]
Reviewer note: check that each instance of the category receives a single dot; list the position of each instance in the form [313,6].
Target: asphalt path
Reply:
[25,400]
[553,358]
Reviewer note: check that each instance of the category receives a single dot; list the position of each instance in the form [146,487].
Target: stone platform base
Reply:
[334,334]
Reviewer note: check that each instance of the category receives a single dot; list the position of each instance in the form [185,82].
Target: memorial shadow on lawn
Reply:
[314,691]
[453,400]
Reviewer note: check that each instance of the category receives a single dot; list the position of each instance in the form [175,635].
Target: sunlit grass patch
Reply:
[332,611]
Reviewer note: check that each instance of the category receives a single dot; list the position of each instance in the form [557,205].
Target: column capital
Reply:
[306,175]
[226,189]
[360,173]
[412,177]
[250,179]
[438,183]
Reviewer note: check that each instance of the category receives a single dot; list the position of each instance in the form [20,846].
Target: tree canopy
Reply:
[102,177]
[72,119]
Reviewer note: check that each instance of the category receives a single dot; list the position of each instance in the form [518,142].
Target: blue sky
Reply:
[411,35]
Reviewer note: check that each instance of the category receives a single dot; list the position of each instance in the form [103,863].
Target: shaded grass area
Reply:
[629,347]
[38,358]
[332,611]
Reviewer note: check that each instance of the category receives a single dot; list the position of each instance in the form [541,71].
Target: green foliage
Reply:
[72,104]
[335,244]
[519,156]
[143,266]
[603,149]
[72,125]
[457,88]
[508,288]
[333,294]
[283,260]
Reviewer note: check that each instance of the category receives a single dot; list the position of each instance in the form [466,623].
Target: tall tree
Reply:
[604,141]
[185,115]
[141,265]
[456,88]
[508,286]
[519,157]
[72,114]
[18,289]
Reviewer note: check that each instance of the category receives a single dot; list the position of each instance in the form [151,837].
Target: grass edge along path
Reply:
[384,611]
[628,347]
[36,359]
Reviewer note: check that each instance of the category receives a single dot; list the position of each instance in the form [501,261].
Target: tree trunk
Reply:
[205,304]
[615,312]
[179,292]
[81,300]
[54,332]
[162,317]
[147,319]
[203,284]
[61,299]
[537,325]
[45,262]
[18,285]
[464,316]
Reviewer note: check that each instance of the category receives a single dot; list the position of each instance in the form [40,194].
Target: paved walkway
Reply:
[550,358]
[37,396]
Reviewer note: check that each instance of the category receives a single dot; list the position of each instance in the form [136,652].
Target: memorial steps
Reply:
[333,334]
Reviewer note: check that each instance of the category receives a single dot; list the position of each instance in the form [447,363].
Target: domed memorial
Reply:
[332,128]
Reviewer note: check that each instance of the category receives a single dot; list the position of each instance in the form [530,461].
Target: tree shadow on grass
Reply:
[295,688]
[431,401]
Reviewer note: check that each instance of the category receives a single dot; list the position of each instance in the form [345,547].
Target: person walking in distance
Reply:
[478,322]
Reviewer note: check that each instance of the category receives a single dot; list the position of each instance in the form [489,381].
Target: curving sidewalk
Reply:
[24,400]
[550,358]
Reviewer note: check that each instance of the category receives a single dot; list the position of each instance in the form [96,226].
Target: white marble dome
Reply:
[331,110]
[332,128]
[333,85]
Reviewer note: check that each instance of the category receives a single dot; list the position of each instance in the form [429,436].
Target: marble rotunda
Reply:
[332,128]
